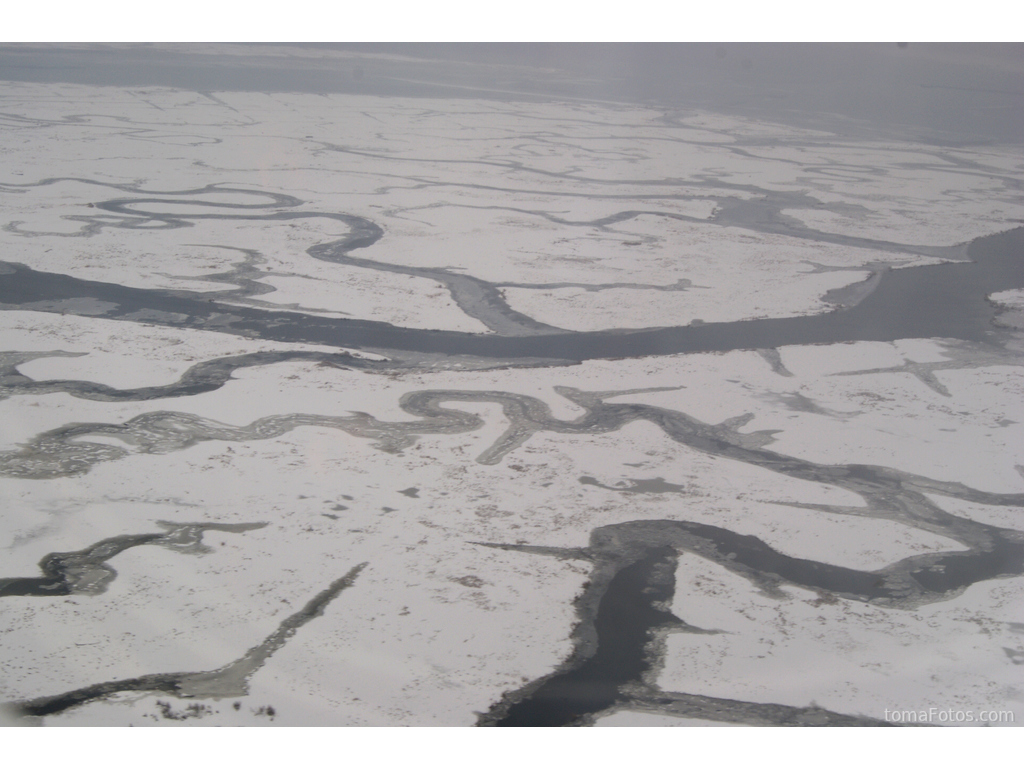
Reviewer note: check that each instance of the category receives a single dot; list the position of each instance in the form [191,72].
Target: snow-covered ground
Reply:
[582,217]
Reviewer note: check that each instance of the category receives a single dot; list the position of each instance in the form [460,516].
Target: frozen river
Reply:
[948,300]
[380,409]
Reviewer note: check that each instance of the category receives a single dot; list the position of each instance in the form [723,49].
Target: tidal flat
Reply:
[351,409]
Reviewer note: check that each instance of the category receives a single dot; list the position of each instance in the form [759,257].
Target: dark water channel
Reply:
[627,612]
[624,609]
[937,301]
[626,616]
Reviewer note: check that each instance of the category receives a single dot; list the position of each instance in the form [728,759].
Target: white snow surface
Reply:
[437,628]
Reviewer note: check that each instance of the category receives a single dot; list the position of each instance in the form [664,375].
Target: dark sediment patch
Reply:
[638,485]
